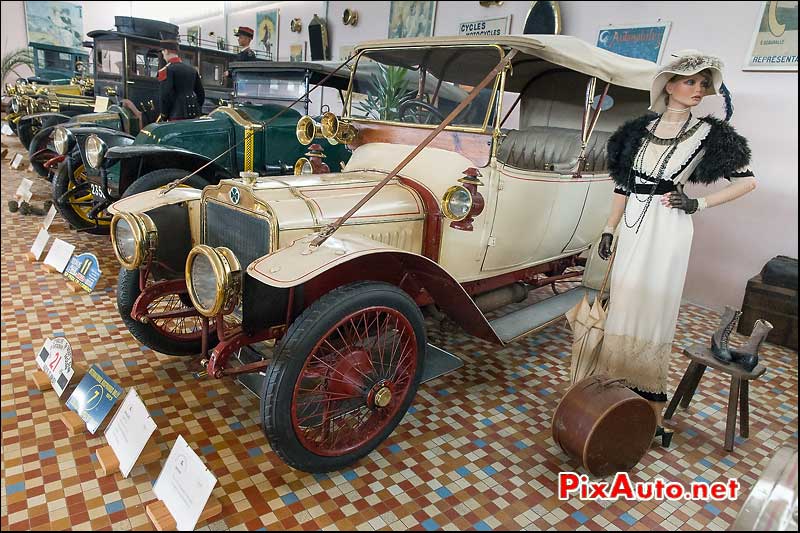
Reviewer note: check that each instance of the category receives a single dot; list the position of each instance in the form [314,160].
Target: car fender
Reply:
[46,119]
[149,200]
[344,258]
[154,156]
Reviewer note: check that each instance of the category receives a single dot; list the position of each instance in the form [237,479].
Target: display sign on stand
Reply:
[15,163]
[92,399]
[84,271]
[23,193]
[58,365]
[183,488]
[48,219]
[41,381]
[59,255]
[38,245]
[127,434]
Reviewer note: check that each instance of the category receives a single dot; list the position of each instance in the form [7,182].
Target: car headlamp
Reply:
[457,203]
[214,279]
[15,104]
[61,140]
[303,167]
[95,150]
[133,236]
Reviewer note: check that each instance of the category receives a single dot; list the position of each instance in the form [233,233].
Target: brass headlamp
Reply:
[214,279]
[134,236]
[307,130]
[335,129]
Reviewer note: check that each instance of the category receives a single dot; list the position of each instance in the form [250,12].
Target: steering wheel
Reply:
[419,112]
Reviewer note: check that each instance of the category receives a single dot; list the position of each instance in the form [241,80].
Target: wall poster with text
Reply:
[642,41]
[774,42]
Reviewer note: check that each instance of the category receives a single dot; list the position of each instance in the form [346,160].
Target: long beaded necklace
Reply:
[659,169]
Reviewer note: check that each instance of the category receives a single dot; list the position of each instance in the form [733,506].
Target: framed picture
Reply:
[643,41]
[267,32]
[774,42]
[56,23]
[297,53]
[193,35]
[411,19]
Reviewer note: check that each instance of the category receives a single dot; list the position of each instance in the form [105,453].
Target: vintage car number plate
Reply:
[97,191]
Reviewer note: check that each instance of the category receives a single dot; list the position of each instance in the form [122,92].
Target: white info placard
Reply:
[129,431]
[59,254]
[58,365]
[38,245]
[23,193]
[184,485]
[51,214]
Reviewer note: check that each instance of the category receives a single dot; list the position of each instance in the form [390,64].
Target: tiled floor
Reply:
[474,452]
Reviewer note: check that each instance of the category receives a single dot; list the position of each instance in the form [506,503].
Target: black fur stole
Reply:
[725,150]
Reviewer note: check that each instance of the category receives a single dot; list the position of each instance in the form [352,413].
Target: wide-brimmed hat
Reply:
[684,63]
[244,30]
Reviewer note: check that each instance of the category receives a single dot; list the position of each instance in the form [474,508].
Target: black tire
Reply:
[70,212]
[127,293]
[297,345]
[161,177]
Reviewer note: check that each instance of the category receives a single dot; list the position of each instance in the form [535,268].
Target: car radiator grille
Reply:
[247,235]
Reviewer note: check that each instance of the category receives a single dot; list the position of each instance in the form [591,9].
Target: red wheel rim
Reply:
[354,381]
[183,329]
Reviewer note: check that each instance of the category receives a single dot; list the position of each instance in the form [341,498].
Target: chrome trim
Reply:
[145,236]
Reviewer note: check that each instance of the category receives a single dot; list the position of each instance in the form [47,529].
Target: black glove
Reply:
[679,200]
[604,250]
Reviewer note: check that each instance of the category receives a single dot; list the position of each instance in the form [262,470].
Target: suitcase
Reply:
[604,425]
[778,305]
[780,271]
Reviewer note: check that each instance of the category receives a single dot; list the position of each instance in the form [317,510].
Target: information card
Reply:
[129,431]
[58,365]
[38,245]
[184,485]
[59,255]
[94,397]
[43,354]
[84,270]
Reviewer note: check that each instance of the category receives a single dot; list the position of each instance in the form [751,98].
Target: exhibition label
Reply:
[38,245]
[83,270]
[94,397]
[43,354]
[59,255]
[184,485]
[58,365]
[129,431]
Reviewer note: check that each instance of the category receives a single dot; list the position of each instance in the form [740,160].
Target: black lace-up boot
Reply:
[719,340]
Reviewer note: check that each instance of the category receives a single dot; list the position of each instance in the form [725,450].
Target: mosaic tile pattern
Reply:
[474,452]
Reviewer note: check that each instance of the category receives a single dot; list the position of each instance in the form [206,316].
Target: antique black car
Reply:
[126,63]
[57,65]
[107,164]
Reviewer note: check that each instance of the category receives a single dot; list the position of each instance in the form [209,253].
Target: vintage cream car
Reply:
[443,204]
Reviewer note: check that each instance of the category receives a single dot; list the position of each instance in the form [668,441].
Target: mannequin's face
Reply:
[244,40]
[687,91]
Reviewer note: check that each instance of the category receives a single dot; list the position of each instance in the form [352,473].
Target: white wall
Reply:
[731,242]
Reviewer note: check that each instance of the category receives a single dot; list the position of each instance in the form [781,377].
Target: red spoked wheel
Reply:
[166,320]
[343,376]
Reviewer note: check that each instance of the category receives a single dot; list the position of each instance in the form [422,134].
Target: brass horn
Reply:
[307,130]
[336,130]
[350,17]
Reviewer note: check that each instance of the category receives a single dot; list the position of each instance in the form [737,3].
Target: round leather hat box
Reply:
[604,425]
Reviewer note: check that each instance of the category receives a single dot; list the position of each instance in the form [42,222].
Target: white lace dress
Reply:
[649,271]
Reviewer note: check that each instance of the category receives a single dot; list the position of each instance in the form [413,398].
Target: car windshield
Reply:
[50,59]
[108,58]
[281,88]
[423,85]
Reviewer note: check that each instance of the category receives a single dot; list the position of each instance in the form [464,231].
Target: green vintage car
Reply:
[105,164]
[127,61]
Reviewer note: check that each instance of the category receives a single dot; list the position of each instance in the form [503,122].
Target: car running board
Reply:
[539,315]
[437,363]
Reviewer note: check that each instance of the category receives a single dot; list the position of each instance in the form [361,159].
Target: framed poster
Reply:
[494,26]
[193,35]
[56,23]
[643,41]
[296,53]
[411,19]
[774,42]
[267,32]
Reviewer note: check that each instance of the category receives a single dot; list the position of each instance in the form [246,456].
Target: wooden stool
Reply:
[702,358]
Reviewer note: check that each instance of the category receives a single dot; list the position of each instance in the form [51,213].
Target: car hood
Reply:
[311,201]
